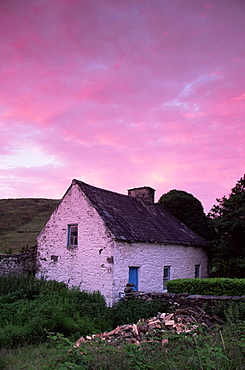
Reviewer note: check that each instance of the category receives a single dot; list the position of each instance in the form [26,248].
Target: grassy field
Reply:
[21,220]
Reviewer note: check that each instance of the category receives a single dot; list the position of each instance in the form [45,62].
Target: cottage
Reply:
[101,240]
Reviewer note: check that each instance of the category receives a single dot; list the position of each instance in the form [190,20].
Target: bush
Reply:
[231,312]
[39,306]
[215,286]
[132,310]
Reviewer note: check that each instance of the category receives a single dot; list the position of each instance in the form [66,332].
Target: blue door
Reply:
[133,277]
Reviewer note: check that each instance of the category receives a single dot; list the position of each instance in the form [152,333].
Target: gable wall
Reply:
[90,264]
[151,259]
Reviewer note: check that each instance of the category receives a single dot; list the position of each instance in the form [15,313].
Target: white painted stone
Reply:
[151,259]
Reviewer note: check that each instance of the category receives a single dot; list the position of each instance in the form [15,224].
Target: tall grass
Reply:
[219,350]
[30,307]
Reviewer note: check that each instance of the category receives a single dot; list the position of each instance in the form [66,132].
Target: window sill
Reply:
[72,247]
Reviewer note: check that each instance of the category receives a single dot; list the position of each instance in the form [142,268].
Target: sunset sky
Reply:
[121,94]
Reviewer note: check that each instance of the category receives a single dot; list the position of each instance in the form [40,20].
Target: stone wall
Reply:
[183,299]
[18,262]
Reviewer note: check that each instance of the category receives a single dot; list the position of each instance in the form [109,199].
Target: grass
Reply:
[220,349]
[21,220]
[29,357]
[39,305]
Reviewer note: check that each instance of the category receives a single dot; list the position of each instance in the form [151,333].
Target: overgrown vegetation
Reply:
[232,313]
[40,321]
[21,220]
[214,286]
[41,306]
[30,307]
[228,252]
[132,310]
[220,349]
[217,350]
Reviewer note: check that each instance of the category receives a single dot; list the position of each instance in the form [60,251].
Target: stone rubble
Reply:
[182,321]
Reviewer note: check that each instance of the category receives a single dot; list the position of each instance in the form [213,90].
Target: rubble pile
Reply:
[182,321]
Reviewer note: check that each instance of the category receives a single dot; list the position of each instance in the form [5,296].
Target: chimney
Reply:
[145,194]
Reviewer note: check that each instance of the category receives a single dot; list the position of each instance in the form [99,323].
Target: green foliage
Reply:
[39,305]
[48,314]
[215,286]
[21,220]
[188,210]
[231,312]
[229,220]
[221,349]
[132,310]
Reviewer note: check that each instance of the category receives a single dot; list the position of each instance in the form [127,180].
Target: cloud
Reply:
[121,94]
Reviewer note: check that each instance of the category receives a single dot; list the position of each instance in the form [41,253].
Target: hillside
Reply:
[21,220]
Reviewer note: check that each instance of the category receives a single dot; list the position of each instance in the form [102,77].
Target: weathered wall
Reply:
[18,262]
[151,260]
[90,264]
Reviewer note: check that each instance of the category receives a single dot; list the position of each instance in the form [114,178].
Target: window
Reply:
[166,276]
[72,235]
[197,271]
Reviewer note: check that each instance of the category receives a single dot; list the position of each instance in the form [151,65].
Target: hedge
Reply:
[212,286]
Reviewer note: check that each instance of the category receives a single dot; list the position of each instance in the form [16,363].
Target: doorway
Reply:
[133,277]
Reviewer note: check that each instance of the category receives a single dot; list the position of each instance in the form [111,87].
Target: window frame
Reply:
[197,271]
[166,276]
[72,240]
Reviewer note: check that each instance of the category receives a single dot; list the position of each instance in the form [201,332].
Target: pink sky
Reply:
[120,94]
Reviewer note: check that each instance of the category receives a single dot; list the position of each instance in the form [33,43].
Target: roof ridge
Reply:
[97,188]
[129,218]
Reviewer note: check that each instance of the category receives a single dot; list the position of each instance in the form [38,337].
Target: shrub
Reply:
[231,312]
[214,286]
[132,310]
[38,306]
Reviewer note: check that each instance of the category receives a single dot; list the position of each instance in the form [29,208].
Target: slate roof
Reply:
[131,220]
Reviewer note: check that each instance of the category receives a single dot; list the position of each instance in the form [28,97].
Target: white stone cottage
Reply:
[101,240]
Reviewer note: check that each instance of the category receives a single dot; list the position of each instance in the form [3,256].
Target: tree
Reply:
[188,210]
[229,221]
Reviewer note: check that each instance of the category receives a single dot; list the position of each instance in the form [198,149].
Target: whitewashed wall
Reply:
[151,259]
[87,264]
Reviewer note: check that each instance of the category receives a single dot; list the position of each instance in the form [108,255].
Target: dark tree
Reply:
[188,210]
[229,220]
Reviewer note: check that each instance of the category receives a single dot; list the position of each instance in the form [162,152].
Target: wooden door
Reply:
[133,277]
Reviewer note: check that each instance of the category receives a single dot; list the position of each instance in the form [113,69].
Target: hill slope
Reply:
[21,220]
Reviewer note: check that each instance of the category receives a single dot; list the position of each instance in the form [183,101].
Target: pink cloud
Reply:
[121,94]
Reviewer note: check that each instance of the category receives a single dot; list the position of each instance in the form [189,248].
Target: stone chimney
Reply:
[146,194]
